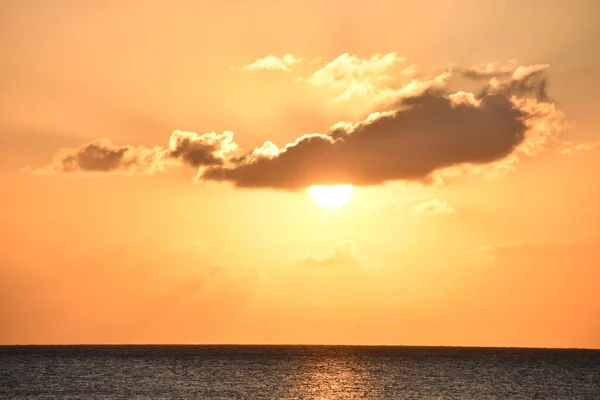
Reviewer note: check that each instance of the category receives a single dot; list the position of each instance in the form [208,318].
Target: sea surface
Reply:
[295,372]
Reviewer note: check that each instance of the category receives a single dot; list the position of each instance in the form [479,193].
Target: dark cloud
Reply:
[201,150]
[103,156]
[427,131]
[430,131]
[195,150]
[95,157]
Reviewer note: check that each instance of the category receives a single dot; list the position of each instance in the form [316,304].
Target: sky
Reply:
[156,159]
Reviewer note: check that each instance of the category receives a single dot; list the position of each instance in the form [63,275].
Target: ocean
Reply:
[296,372]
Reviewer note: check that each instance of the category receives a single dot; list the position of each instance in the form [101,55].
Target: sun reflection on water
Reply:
[326,377]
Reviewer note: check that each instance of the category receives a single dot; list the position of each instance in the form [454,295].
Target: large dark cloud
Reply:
[426,132]
[407,145]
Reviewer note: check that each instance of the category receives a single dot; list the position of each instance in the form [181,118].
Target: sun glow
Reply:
[331,197]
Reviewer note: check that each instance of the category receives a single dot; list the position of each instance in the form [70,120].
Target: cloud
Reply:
[434,206]
[209,149]
[569,147]
[427,134]
[511,77]
[410,70]
[526,89]
[429,129]
[350,76]
[201,150]
[581,247]
[342,253]
[103,156]
[489,70]
[525,81]
[273,63]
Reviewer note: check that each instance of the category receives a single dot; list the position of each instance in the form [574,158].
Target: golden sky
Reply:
[155,160]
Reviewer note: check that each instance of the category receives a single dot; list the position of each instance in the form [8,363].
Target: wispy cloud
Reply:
[489,70]
[578,247]
[434,206]
[351,76]
[348,76]
[274,63]
[341,253]
[569,147]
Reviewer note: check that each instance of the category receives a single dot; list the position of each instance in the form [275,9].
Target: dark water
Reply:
[295,372]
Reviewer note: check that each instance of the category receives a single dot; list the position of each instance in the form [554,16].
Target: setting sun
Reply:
[334,196]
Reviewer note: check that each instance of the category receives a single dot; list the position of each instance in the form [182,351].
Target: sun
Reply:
[334,196]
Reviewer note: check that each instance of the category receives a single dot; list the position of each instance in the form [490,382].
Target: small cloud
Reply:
[489,70]
[523,72]
[525,81]
[568,147]
[491,253]
[342,253]
[410,70]
[434,206]
[274,63]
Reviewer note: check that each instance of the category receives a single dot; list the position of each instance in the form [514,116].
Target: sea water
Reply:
[296,372]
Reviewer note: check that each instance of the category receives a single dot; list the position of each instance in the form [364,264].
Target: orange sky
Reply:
[166,237]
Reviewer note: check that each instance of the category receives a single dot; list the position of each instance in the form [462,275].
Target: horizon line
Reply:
[287,345]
